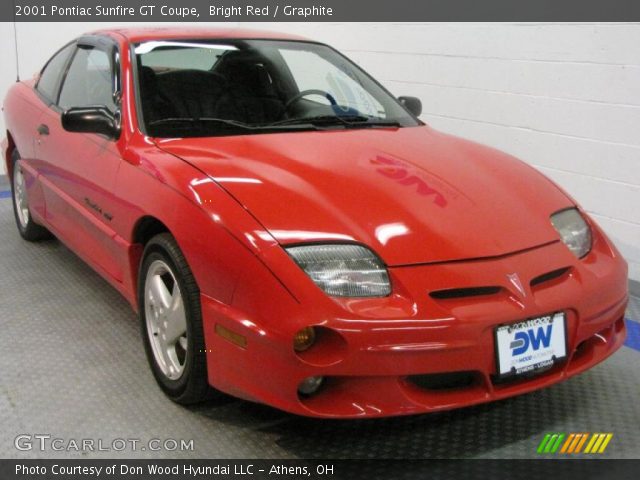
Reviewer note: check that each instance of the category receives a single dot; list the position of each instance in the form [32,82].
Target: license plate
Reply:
[534,344]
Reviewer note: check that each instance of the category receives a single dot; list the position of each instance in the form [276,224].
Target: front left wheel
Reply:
[171,322]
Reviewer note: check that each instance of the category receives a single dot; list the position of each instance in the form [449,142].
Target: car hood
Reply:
[413,194]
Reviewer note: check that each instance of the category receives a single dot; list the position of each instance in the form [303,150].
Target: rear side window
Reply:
[50,76]
[89,80]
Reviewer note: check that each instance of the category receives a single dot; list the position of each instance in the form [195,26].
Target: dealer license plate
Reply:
[531,345]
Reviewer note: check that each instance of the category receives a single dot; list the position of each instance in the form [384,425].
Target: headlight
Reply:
[343,270]
[574,231]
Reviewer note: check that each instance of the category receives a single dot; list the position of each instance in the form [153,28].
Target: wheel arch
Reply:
[145,228]
[11,146]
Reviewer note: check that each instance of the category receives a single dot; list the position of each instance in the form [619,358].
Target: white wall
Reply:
[563,97]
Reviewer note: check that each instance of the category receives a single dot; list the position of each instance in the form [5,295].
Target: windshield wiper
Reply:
[185,122]
[314,123]
[346,120]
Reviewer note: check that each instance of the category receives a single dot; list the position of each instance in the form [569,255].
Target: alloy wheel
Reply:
[166,319]
[20,196]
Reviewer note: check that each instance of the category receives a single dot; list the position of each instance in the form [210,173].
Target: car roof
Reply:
[141,34]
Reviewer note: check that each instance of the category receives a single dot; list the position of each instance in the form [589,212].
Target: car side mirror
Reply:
[413,104]
[93,119]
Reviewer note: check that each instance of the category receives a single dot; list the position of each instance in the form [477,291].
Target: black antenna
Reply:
[15,42]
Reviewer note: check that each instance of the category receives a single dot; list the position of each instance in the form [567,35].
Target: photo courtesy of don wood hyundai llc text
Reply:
[317,239]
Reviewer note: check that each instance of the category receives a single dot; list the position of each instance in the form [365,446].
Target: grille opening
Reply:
[581,346]
[523,377]
[464,292]
[546,277]
[444,381]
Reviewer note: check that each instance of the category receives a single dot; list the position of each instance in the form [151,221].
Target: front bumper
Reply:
[412,353]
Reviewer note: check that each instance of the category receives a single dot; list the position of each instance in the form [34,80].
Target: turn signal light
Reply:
[304,339]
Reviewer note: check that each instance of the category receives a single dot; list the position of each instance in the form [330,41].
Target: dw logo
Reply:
[531,338]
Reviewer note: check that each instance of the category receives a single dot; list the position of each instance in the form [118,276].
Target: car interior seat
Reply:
[251,86]
[185,94]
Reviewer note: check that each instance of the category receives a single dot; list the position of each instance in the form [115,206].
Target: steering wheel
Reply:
[306,93]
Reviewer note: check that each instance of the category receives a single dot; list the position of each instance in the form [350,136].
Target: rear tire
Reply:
[28,229]
[171,322]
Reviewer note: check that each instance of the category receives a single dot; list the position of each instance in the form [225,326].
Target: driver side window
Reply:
[89,80]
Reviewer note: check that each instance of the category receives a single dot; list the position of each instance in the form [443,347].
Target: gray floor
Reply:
[72,366]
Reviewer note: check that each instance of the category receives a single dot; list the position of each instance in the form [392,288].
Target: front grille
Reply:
[443,381]
[547,277]
[464,292]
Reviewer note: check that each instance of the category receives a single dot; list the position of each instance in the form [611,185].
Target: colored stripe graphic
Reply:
[606,442]
[565,447]
[551,442]
[543,443]
[596,445]
[557,444]
[5,194]
[581,443]
[573,443]
[598,442]
[576,445]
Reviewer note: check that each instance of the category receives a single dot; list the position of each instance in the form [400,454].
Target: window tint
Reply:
[88,81]
[52,71]
[170,57]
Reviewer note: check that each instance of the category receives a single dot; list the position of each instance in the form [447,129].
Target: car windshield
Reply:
[198,88]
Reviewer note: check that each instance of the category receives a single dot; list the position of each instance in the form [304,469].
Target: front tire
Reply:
[171,322]
[28,229]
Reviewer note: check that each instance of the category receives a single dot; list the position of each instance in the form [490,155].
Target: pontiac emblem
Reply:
[515,281]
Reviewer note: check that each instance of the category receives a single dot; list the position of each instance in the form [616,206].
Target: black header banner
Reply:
[319,10]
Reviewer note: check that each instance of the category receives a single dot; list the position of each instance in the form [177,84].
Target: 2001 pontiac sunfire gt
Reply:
[292,234]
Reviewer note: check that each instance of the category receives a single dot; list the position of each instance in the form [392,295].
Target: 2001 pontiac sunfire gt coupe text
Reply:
[292,234]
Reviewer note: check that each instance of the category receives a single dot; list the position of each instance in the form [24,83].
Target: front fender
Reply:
[221,241]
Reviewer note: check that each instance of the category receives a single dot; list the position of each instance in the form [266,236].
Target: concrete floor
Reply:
[72,365]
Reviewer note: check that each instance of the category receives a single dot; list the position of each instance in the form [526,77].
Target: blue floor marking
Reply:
[633,334]
[5,194]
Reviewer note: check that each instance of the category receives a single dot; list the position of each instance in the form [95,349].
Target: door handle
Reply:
[43,129]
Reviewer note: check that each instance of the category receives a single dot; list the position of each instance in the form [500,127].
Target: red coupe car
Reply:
[292,234]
